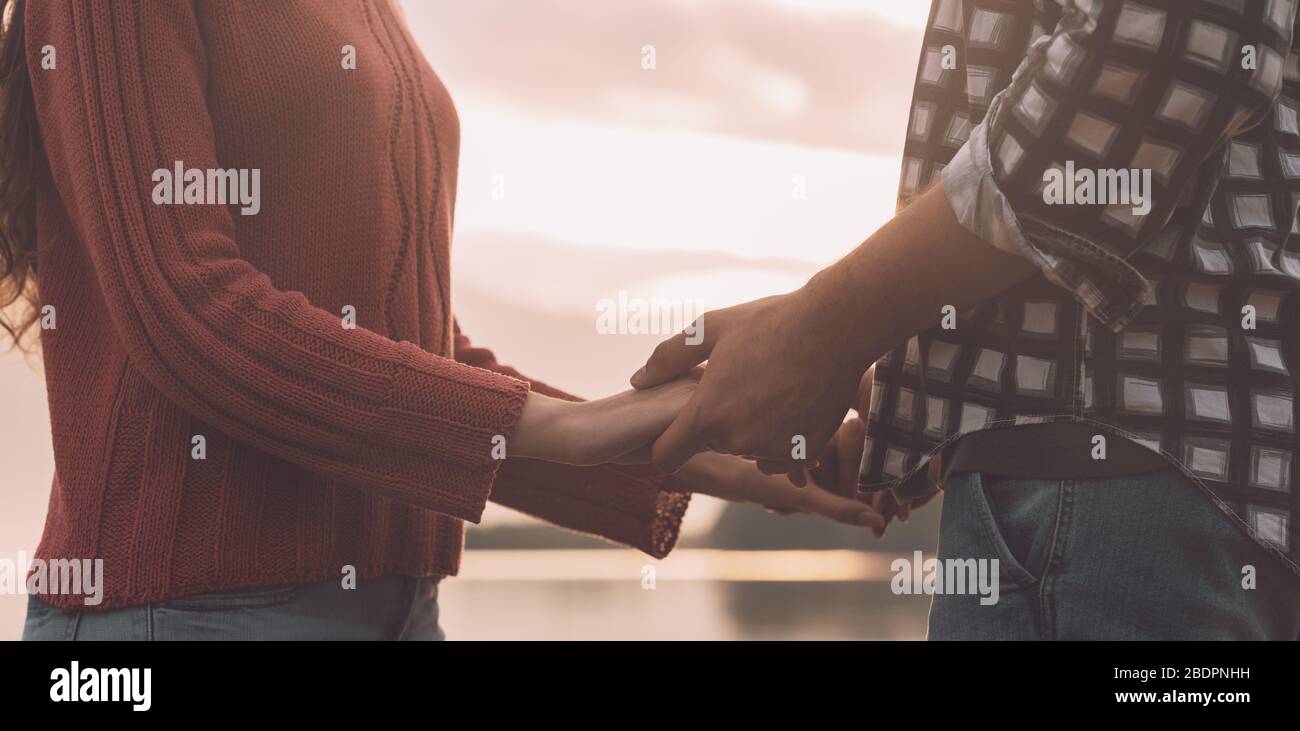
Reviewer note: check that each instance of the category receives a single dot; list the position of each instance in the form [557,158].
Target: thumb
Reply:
[677,355]
[679,442]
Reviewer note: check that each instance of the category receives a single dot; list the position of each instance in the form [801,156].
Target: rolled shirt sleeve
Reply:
[1118,86]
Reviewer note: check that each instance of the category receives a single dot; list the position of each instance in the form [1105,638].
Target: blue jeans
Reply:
[1145,557]
[385,608]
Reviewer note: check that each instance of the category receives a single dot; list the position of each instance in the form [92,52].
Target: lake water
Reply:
[536,605]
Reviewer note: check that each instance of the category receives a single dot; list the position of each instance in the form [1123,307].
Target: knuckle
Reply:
[661,351]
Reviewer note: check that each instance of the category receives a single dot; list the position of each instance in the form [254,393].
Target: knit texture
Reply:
[326,447]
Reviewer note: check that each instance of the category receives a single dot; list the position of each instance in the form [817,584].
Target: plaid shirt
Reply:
[1174,326]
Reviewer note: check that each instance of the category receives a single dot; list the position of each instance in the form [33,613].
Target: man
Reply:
[1083,323]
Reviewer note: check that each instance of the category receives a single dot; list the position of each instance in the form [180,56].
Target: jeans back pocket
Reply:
[250,598]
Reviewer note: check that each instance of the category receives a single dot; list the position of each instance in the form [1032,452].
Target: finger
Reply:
[842,509]
[862,401]
[826,473]
[677,355]
[848,449]
[885,504]
[770,467]
[680,441]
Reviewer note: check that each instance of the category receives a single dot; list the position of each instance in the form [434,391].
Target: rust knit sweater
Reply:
[325,446]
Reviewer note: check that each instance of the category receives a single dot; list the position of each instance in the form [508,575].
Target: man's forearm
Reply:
[896,283]
[783,370]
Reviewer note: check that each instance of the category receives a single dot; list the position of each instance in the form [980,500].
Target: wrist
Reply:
[832,309]
[543,430]
[895,284]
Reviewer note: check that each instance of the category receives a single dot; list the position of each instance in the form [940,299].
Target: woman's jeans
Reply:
[1127,558]
[385,608]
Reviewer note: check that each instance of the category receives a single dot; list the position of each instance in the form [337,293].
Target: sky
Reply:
[582,173]
[677,181]
[699,153]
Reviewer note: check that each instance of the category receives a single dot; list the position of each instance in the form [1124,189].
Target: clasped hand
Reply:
[779,382]
[622,428]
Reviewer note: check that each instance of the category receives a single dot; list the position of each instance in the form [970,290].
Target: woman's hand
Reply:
[837,470]
[740,480]
[619,428]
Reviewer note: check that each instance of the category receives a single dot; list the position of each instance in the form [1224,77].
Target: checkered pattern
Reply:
[1136,325]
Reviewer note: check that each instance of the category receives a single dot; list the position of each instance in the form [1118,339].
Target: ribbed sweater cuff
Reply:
[440,424]
[624,504]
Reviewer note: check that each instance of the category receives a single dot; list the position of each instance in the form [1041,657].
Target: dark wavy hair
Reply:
[21,167]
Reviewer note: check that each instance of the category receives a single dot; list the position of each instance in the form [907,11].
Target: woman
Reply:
[253,403]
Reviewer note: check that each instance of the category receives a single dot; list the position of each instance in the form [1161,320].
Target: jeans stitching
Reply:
[70,634]
[1060,533]
[250,598]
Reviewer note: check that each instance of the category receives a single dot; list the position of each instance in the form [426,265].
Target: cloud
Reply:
[543,274]
[762,70]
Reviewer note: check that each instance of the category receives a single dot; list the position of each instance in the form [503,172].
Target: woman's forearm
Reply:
[596,432]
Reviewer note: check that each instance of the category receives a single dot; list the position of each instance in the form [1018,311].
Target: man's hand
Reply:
[776,387]
[840,464]
[782,370]
[838,474]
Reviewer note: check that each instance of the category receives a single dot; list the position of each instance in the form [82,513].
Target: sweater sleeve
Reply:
[202,324]
[627,504]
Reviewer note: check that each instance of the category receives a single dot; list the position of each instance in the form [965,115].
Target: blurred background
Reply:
[762,144]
